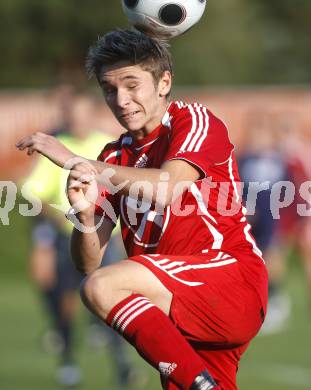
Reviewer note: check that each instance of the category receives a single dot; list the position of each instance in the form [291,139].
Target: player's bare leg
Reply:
[109,285]
[130,298]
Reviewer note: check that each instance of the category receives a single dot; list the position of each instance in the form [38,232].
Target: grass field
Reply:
[279,362]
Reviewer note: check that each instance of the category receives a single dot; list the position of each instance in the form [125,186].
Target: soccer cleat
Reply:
[203,381]
[69,375]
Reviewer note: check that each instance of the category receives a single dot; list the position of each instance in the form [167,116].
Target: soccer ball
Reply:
[167,18]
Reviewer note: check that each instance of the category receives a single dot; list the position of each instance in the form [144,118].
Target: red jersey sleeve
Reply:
[199,137]
[106,203]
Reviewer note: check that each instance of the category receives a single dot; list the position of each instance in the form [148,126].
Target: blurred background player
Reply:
[262,161]
[50,261]
[295,228]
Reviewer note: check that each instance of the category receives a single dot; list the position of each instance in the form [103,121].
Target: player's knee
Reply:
[94,290]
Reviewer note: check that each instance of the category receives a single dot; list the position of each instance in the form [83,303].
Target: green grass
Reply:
[282,361]
[25,366]
[278,362]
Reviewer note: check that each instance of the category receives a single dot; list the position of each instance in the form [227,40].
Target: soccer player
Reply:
[193,292]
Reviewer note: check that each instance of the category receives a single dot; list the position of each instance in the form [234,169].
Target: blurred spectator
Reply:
[51,266]
[261,162]
[295,227]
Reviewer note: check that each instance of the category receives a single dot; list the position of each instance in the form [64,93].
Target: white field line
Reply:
[280,373]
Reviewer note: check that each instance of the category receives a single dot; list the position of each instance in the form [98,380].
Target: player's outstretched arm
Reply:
[48,146]
[91,233]
[87,249]
[176,175]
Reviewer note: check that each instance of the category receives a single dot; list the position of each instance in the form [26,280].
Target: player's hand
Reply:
[46,145]
[82,188]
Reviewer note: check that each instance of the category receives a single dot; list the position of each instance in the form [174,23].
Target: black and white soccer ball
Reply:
[167,18]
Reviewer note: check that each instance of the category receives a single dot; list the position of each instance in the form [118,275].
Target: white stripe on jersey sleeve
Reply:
[180,104]
[204,135]
[200,128]
[192,131]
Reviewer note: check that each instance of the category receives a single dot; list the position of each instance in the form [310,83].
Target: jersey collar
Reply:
[159,131]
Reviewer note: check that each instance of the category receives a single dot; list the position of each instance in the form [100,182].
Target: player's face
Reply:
[135,99]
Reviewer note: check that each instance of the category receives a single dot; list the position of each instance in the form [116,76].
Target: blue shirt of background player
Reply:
[261,167]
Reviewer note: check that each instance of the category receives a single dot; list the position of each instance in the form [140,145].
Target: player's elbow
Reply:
[85,268]
[80,268]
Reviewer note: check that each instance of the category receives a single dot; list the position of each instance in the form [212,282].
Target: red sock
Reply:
[156,339]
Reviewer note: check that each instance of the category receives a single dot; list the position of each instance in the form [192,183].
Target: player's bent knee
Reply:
[95,290]
[83,290]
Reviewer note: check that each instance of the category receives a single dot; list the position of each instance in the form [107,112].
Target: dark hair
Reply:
[134,47]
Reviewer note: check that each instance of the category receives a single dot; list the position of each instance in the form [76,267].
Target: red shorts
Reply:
[213,306]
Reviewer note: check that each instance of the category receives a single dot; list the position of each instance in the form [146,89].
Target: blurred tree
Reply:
[236,42]
[285,37]
[221,49]
[43,42]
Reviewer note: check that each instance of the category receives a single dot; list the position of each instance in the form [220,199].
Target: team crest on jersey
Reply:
[142,161]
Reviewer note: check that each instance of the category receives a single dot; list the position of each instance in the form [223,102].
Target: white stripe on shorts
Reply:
[173,264]
[202,266]
[156,264]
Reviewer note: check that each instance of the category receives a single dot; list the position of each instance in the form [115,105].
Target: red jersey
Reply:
[199,246]
[208,215]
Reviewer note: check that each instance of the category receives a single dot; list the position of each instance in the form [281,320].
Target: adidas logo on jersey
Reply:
[142,161]
[167,368]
